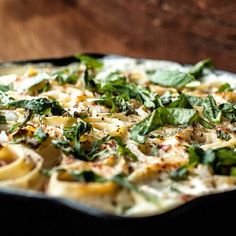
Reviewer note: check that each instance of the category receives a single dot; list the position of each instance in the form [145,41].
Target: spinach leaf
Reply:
[160,117]
[123,150]
[225,88]
[2,120]
[68,75]
[223,135]
[23,137]
[228,111]
[193,100]
[222,161]
[211,111]
[64,146]
[197,69]
[4,99]
[171,78]
[16,127]
[90,62]
[36,84]
[39,106]
[178,79]
[117,84]
[116,103]
[180,174]
[87,176]
[73,146]
[39,135]
[5,88]
[181,102]
[123,181]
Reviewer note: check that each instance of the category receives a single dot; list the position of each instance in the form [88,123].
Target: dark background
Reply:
[181,30]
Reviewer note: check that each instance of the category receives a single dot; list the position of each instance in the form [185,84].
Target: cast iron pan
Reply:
[30,213]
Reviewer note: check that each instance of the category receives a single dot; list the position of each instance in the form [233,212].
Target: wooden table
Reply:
[181,30]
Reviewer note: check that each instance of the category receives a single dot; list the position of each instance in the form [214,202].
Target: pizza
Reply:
[130,137]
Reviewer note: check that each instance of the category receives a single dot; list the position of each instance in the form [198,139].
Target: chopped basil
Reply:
[181,102]
[228,111]
[193,100]
[116,103]
[89,61]
[160,117]
[5,88]
[72,145]
[68,75]
[211,111]
[23,137]
[40,135]
[178,79]
[222,161]
[39,106]
[117,84]
[123,150]
[179,174]
[16,127]
[87,176]
[197,69]
[225,88]
[171,78]
[2,120]
[223,135]
[35,85]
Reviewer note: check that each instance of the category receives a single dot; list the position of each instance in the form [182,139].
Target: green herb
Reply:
[116,103]
[46,172]
[166,98]
[4,99]
[181,102]
[228,111]
[171,78]
[178,79]
[68,75]
[222,161]
[36,84]
[5,88]
[2,120]
[123,150]
[211,111]
[205,124]
[22,137]
[197,69]
[180,173]
[117,84]
[89,61]
[40,106]
[122,181]
[160,117]
[16,127]
[86,176]
[64,146]
[194,101]
[223,135]
[225,88]
[81,115]
[73,146]
[39,135]
[89,176]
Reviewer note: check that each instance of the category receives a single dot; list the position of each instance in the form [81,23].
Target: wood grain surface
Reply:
[181,30]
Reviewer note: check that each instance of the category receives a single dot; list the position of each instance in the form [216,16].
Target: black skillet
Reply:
[30,213]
